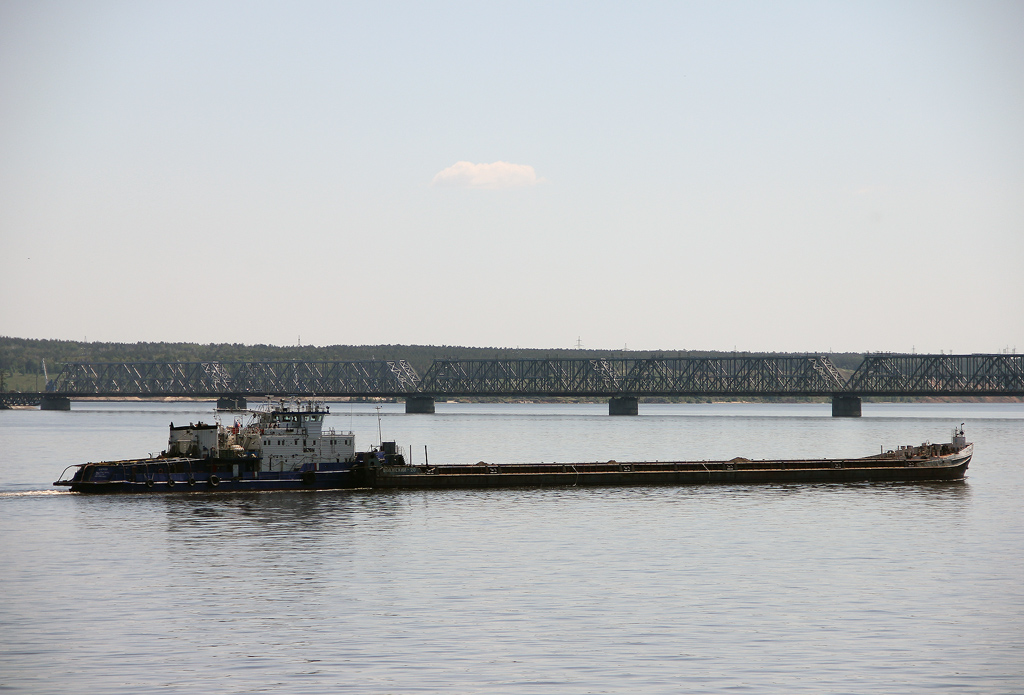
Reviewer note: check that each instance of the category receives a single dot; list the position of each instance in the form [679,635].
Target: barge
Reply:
[266,454]
[927,462]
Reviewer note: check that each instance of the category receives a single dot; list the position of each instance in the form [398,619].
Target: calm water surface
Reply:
[758,589]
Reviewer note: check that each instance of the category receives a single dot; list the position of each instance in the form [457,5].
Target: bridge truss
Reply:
[788,376]
[939,375]
[356,378]
[740,376]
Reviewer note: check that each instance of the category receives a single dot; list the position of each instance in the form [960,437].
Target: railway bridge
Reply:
[623,381]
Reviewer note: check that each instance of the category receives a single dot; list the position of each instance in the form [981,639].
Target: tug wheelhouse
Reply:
[293,439]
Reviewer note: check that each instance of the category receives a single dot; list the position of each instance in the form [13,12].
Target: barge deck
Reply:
[907,465]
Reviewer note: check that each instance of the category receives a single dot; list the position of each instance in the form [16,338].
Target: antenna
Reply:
[380,437]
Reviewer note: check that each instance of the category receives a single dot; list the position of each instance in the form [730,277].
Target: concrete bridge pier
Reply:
[55,403]
[419,405]
[623,405]
[845,406]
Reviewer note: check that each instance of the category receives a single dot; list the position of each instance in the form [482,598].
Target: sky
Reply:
[786,176]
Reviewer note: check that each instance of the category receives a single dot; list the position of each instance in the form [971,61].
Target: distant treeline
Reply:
[24,357]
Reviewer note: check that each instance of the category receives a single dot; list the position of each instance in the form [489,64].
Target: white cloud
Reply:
[494,175]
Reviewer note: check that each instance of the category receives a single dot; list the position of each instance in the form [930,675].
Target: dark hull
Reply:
[199,475]
[192,475]
[322,482]
[667,473]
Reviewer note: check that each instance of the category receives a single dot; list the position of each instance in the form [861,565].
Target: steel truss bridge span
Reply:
[938,375]
[638,377]
[361,378]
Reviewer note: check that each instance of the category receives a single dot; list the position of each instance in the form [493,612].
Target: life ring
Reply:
[214,481]
[170,482]
[149,482]
[191,481]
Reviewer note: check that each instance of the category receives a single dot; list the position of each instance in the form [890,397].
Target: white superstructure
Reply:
[292,435]
[279,436]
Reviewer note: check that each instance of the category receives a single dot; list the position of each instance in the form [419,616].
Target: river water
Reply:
[830,588]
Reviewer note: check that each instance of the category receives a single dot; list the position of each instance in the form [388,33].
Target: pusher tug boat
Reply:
[282,446]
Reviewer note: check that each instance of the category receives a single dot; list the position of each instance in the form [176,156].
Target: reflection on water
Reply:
[288,510]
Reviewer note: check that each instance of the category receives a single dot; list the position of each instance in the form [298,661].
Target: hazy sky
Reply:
[688,175]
